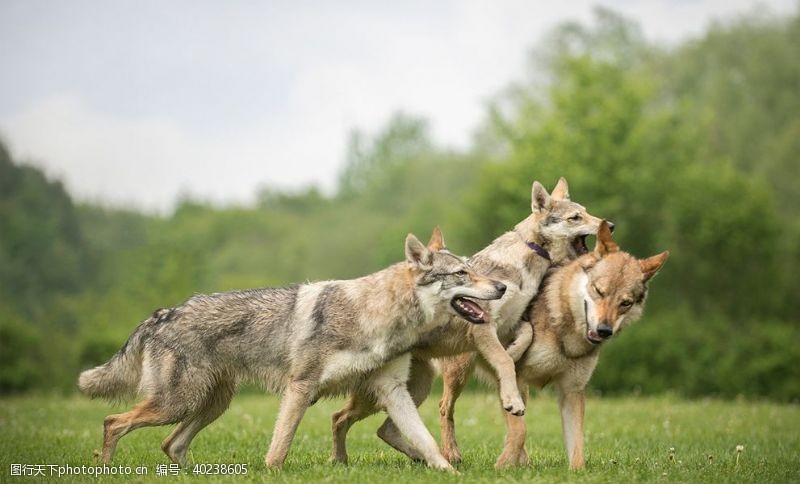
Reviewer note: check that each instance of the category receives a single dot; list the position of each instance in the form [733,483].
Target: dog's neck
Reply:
[558,313]
[400,281]
[528,231]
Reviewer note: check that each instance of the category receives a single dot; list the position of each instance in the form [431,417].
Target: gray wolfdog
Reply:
[306,341]
[581,305]
[554,232]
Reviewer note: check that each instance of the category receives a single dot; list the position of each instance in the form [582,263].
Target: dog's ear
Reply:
[561,191]
[417,254]
[437,240]
[540,199]
[651,265]
[605,243]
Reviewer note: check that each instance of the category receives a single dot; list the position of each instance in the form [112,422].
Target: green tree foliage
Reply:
[692,149]
[41,250]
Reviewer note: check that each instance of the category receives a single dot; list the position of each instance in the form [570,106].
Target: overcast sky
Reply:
[137,102]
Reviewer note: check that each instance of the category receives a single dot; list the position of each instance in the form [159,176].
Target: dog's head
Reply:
[611,289]
[561,224]
[445,281]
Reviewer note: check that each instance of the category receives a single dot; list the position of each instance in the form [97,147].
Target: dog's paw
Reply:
[337,458]
[514,405]
[441,464]
[453,455]
[512,458]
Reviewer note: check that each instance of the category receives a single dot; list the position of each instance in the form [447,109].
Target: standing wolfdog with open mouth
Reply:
[305,341]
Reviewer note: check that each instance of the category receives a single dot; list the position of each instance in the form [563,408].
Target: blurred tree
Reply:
[692,149]
[41,248]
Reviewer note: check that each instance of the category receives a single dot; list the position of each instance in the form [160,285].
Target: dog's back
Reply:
[221,336]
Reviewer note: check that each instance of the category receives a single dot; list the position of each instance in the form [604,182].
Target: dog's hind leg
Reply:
[419,387]
[177,444]
[455,374]
[146,413]
[357,408]
[295,402]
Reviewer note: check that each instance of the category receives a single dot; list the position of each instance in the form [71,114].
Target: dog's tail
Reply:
[119,377]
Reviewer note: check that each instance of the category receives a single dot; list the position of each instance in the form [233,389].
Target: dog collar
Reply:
[539,250]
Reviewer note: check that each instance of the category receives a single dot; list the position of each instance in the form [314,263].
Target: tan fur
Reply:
[562,320]
[554,223]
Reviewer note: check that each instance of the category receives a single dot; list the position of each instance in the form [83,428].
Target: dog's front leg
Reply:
[487,344]
[572,405]
[296,399]
[419,386]
[389,385]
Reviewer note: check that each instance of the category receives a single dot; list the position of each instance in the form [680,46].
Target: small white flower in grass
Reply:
[739,450]
[672,454]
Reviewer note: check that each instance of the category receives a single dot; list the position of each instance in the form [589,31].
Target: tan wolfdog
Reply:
[554,232]
[581,305]
[306,341]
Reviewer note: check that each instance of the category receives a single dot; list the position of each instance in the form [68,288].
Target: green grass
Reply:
[627,439]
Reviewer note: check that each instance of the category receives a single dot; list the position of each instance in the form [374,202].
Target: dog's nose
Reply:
[501,288]
[604,330]
[610,225]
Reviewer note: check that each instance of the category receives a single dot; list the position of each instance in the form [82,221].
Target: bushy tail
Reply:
[119,377]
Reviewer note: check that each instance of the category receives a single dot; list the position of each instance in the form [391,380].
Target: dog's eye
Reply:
[460,273]
[597,290]
[626,303]
[575,217]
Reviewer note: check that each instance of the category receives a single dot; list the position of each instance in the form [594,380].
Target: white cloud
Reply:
[147,163]
[266,95]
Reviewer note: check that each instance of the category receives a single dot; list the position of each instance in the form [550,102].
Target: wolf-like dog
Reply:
[306,341]
[581,305]
[554,232]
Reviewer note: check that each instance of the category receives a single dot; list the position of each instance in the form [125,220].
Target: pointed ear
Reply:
[561,191]
[540,199]
[651,265]
[416,253]
[605,243]
[437,240]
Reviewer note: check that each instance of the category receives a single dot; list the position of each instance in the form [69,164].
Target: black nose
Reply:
[501,288]
[610,225]
[604,330]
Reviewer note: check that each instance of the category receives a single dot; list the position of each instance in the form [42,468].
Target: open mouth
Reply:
[592,337]
[468,310]
[579,245]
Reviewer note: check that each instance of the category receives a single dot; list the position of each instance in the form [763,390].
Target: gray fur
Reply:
[308,341]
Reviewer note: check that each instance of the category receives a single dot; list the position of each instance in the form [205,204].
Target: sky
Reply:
[136,103]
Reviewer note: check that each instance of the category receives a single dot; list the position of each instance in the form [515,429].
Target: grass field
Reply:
[627,439]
